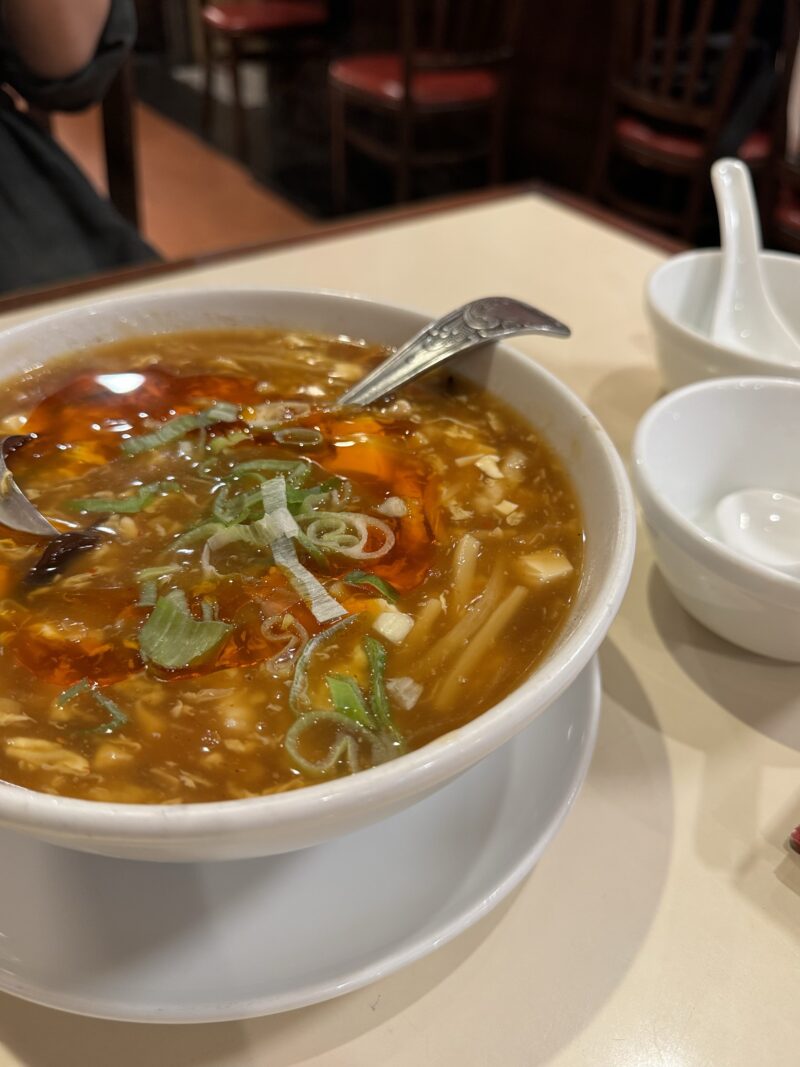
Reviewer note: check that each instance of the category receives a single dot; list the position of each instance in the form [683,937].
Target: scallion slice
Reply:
[364,578]
[148,594]
[299,437]
[348,700]
[344,745]
[321,604]
[177,427]
[228,440]
[126,505]
[378,698]
[154,574]
[299,697]
[172,638]
[118,716]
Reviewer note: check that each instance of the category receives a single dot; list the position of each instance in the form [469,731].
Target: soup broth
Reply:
[251,590]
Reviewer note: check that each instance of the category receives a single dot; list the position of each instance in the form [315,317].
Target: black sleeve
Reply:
[85,87]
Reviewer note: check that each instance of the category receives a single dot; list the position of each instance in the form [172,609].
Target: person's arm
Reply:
[55,38]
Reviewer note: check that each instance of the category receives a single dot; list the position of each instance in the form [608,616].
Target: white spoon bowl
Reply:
[695,448]
[763,525]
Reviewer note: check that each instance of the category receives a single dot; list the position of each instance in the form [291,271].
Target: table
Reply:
[662,926]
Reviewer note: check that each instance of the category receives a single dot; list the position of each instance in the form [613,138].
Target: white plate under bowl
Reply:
[192,943]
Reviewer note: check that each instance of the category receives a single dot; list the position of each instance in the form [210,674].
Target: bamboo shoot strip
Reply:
[472,656]
[465,562]
[426,620]
[455,639]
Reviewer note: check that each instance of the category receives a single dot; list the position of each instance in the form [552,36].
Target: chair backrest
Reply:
[787,149]
[681,61]
[119,142]
[448,34]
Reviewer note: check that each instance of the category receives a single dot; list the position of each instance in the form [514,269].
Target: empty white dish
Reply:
[680,299]
[692,450]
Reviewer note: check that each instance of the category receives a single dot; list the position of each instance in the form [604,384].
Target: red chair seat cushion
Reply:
[381,76]
[638,134]
[261,16]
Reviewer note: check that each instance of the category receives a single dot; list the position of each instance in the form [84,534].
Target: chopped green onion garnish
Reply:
[275,466]
[118,716]
[73,691]
[321,604]
[148,594]
[299,437]
[343,748]
[378,698]
[228,440]
[308,546]
[126,505]
[383,587]
[150,574]
[177,427]
[197,533]
[171,638]
[299,697]
[348,699]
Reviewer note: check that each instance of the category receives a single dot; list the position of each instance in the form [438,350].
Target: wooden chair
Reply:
[782,209]
[119,142]
[454,58]
[670,92]
[274,25]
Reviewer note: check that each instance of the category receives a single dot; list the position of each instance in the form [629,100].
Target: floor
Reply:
[194,199]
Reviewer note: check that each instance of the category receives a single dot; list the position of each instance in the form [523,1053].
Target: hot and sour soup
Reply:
[253,590]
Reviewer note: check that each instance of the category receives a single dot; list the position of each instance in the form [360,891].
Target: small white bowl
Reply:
[680,299]
[260,826]
[690,450]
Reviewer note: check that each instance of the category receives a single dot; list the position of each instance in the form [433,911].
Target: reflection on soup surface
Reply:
[252,590]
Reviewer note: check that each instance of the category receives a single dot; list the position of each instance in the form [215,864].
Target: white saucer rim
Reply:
[395,961]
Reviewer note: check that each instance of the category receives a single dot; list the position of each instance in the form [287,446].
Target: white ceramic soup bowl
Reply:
[691,450]
[280,823]
[680,298]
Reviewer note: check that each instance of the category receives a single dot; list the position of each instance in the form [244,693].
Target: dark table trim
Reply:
[392,217]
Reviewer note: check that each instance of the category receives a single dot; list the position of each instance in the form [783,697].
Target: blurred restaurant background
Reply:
[260,120]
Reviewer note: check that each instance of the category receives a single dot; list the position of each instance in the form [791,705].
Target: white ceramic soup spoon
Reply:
[763,525]
[744,315]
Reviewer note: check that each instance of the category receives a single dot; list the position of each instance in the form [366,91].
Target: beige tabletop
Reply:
[662,926]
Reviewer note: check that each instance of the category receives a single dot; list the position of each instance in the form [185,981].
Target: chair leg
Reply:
[208,87]
[402,178]
[338,151]
[697,196]
[598,171]
[497,143]
[239,117]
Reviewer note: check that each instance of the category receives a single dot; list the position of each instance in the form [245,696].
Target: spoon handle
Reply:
[741,240]
[476,323]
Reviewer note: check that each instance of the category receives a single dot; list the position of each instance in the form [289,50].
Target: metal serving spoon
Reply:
[16,510]
[481,321]
[477,323]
